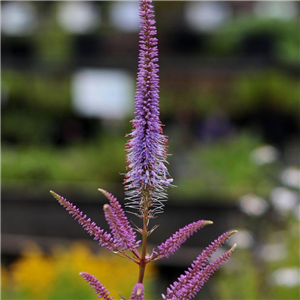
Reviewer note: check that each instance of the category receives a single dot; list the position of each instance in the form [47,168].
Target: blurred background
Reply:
[229,96]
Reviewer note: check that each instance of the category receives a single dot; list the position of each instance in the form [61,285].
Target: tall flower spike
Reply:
[137,292]
[189,285]
[104,238]
[99,288]
[148,177]
[122,231]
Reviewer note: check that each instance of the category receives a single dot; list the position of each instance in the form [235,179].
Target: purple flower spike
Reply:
[123,233]
[99,288]
[208,252]
[104,238]
[189,284]
[137,292]
[172,244]
[123,240]
[147,178]
[199,280]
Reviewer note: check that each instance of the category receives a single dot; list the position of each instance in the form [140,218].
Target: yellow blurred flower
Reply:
[106,266]
[40,276]
[4,276]
[34,272]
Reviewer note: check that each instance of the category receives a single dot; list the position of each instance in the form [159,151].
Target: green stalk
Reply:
[144,249]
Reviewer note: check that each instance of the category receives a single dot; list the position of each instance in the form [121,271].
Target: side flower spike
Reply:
[172,244]
[189,284]
[122,239]
[104,238]
[122,232]
[199,280]
[137,292]
[99,288]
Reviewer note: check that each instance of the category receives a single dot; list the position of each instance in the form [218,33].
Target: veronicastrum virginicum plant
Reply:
[145,187]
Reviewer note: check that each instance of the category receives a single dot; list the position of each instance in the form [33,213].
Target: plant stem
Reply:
[144,248]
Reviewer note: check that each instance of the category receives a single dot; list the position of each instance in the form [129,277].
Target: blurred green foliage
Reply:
[52,42]
[243,281]
[43,93]
[203,170]
[249,276]
[275,89]
[27,127]
[285,34]
[222,170]
[100,160]
[269,88]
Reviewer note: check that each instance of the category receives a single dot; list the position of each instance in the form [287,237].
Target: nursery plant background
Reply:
[230,104]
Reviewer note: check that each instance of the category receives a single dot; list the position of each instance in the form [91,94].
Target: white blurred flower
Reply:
[253,205]
[78,17]
[125,15]
[207,15]
[18,18]
[264,155]
[273,252]
[284,199]
[243,239]
[291,177]
[283,10]
[286,277]
[297,212]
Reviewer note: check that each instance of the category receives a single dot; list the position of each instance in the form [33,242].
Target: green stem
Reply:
[144,249]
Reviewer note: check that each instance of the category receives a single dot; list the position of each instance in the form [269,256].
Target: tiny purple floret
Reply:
[137,292]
